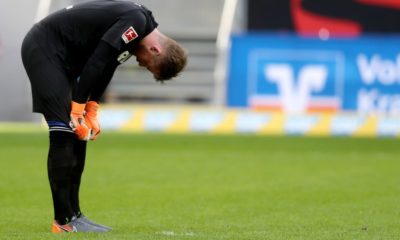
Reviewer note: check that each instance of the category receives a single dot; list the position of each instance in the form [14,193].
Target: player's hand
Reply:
[78,123]
[91,120]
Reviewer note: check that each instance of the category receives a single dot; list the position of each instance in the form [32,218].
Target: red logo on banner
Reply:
[312,23]
[129,35]
[307,23]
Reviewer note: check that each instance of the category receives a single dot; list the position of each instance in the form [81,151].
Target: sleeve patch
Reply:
[129,35]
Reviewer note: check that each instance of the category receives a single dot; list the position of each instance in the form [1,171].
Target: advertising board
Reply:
[300,75]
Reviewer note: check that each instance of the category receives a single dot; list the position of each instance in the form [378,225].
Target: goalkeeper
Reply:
[70,58]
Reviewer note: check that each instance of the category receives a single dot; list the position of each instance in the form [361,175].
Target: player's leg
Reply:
[77,170]
[50,87]
[62,162]
[76,174]
[65,167]
[61,157]
[59,166]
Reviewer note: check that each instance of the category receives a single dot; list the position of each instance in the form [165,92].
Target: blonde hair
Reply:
[172,61]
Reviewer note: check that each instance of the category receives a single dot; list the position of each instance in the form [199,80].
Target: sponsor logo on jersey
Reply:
[123,57]
[129,35]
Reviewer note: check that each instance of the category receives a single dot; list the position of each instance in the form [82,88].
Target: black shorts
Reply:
[50,84]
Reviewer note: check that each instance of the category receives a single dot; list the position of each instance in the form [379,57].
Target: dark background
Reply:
[339,17]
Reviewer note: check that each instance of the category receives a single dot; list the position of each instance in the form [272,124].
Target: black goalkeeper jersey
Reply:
[91,39]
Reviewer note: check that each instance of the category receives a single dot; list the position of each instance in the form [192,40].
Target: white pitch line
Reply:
[172,233]
[42,10]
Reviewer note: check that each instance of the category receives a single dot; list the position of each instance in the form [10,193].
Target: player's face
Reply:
[146,58]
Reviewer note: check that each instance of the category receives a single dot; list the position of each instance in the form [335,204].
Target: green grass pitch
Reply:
[155,186]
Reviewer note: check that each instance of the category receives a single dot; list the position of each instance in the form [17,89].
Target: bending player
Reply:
[70,58]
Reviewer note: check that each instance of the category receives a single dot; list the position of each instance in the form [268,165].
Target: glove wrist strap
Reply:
[77,107]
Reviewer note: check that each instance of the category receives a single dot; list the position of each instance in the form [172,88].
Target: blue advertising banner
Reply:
[300,75]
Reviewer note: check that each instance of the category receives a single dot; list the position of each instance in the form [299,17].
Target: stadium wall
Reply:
[15,97]
[196,119]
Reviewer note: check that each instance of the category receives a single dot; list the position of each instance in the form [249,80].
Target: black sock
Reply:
[61,161]
[77,170]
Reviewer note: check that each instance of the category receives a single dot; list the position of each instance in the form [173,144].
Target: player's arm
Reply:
[92,106]
[99,88]
[91,75]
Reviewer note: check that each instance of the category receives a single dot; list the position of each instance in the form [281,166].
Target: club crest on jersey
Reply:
[129,35]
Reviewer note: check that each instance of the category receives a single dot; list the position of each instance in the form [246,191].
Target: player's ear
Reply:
[155,49]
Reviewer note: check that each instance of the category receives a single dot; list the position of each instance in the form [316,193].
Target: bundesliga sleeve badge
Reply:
[129,35]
